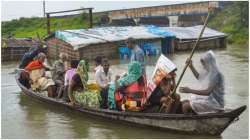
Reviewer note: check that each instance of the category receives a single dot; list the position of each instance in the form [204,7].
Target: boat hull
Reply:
[212,123]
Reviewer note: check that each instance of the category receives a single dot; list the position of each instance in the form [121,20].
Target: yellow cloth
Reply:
[38,81]
[93,86]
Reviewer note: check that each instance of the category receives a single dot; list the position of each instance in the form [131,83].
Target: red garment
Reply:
[133,93]
[34,65]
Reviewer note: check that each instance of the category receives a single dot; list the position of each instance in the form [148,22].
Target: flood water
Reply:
[23,117]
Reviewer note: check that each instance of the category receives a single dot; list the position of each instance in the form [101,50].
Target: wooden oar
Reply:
[191,55]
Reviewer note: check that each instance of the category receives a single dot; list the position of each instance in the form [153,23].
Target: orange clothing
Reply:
[34,65]
[134,97]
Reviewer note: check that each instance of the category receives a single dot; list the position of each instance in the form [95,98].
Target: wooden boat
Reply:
[212,123]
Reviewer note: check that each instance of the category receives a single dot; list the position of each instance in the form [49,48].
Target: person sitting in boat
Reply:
[98,63]
[78,90]
[103,79]
[30,55]
[128,92]
[59,72]
[40,79]
[25,79]
[162,100]
[68,76]
[70,72]
[211,97]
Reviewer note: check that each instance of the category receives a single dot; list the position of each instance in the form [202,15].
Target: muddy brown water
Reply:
[23,117]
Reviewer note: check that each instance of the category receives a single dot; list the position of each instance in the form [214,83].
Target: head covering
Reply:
[63,56]
[209,61]
[134,73]
[82,71]
[210,69]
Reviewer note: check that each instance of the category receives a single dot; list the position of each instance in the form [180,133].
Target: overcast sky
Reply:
[16,9]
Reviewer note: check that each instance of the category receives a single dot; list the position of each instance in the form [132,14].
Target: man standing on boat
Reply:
[137,54]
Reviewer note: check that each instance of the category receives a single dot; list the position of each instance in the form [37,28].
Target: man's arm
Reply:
[205,92]
[196,74]
[194,71]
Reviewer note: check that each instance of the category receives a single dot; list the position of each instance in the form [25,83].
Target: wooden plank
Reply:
[69,10]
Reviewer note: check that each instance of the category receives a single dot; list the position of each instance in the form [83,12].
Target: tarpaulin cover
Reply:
[84,37]
[192,32]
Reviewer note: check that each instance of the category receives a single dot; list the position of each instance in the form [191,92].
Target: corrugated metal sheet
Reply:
[84,37]
[192,32]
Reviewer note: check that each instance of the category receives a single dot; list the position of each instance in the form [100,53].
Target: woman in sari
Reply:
[134,75]
[78,90]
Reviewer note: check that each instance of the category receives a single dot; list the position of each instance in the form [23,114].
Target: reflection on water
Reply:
[23,117]
[47,121]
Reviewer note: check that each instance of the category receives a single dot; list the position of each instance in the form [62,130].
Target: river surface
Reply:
[23,117]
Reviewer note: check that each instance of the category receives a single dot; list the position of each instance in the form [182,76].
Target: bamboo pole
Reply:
[192,52]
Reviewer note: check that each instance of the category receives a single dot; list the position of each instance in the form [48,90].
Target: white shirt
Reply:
[97,68]
[102,79]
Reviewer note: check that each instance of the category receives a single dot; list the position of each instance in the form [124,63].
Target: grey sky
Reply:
[16,9]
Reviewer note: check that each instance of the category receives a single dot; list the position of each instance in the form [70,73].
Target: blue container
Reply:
[149,49]
[124,53]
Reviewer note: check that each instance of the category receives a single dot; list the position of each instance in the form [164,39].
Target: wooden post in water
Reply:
[48,23]
[90,18]
[44,9]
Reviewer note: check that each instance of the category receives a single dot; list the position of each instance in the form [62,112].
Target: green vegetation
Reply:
[29,27]
[232,20]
